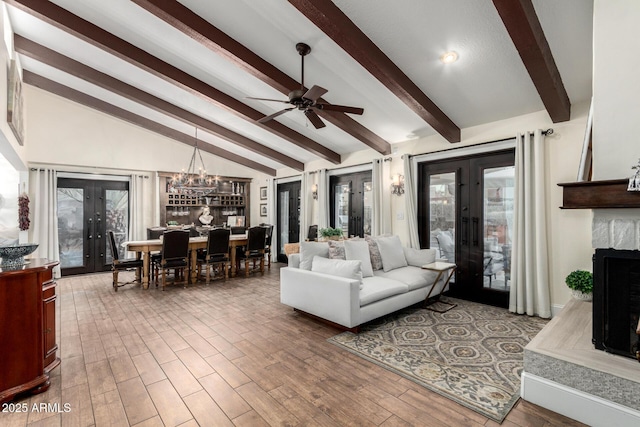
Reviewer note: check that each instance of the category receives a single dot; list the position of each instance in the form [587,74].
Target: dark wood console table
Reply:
[27,328]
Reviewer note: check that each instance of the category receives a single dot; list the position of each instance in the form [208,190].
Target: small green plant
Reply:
[580,280]
[330,232]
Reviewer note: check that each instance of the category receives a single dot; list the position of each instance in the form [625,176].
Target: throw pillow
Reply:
[359,250]
[391,253]
[336,249]
[310,249]
[419,257]
[374,253]
[350,269]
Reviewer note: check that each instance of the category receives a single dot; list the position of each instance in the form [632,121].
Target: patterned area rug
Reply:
[472,354]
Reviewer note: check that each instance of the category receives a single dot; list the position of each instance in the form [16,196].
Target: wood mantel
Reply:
[599,195]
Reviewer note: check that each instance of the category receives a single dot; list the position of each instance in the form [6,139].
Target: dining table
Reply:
[143,249]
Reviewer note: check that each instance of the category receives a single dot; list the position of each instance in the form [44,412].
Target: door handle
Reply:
[474,231]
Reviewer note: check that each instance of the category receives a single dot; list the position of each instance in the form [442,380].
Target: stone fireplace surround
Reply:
[562,369]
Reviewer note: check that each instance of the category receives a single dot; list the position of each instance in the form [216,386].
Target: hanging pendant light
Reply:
[190,180]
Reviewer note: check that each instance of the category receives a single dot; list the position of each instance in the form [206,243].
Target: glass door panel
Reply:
[367,212]
[442,217]
[342,199]
[498,226]
[283,215]
[71,230]
[117,217]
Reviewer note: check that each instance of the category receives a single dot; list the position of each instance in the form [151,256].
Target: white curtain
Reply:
[272,218]
[306,205]
[529,263]
[323,199]
[410,196]
[381,205]
[43,185]
[137,198]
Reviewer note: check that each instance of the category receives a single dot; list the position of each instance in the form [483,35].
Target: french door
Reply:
[352,203]
[87,210]
[465,211]
[288,216]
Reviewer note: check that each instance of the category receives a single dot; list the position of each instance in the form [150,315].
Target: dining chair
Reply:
[253,251]
[118,264]
[175,255]
[267,244]
[238,230]
[312,235]
[217,253]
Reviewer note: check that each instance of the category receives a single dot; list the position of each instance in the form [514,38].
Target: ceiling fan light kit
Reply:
[307,100]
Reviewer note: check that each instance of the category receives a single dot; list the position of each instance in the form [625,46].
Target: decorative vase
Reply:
[579,295]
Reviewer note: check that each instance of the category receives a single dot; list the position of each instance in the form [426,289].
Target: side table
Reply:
[441,267]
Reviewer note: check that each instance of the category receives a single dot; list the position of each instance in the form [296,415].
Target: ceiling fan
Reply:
[307,101]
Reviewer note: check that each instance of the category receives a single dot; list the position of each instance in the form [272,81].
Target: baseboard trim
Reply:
[575,404]
[555,309]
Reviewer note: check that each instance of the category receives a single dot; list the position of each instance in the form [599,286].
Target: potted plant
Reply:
[581,284]
[330,233]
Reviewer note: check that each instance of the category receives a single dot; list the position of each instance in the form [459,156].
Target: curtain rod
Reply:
[544,132]
[89,173]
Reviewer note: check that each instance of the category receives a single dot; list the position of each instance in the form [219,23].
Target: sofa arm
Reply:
[333,298]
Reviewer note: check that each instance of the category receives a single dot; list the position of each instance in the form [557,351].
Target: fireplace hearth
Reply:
[616,301]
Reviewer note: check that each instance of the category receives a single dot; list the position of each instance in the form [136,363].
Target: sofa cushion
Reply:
[310,249]
[359,250]
[419,257]
[391,252]
[350,269]
[374,252]
[378,288]
[413,277]
[336,249]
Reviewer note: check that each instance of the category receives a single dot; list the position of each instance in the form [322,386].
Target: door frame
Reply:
[356,214]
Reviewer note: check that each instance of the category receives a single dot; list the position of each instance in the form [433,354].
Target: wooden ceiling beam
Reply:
[122,114]
[194,26]
[335,24]
[61,18]
[523,26]
[54,59]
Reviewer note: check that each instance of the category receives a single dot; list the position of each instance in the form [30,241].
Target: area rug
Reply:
[472,354]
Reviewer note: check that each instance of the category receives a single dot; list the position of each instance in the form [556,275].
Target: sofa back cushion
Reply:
[419,257]
[350,269]
[310,249]
[391,253]
[359,250]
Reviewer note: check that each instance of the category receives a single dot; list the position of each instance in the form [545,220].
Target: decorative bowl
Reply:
[13,256]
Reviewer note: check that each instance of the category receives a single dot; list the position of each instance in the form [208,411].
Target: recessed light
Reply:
[449,57]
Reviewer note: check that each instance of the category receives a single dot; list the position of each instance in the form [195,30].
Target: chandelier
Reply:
[190,180]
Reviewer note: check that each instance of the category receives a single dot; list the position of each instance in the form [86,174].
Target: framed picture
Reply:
[263,209]
[263,193]
[14,103]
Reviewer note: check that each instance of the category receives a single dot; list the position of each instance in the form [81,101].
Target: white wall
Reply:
[75,138]
[616,88]
[569,231]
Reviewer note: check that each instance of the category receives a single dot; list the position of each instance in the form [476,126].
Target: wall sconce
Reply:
[314,191]
[397,184]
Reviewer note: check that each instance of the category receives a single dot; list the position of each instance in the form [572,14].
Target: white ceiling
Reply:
[489,82]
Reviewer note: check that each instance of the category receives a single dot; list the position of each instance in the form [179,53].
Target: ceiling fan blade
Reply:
[314,93]
[266,99]
[274,115]
[314,119]
[340,108]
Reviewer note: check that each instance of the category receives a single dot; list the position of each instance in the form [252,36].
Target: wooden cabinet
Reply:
[224,196]
[27,328]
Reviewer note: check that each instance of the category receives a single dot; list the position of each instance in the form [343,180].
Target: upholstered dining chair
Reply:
[253,251]
[118,264]
[175,255]
[267,243]
[217,254]
[312,235]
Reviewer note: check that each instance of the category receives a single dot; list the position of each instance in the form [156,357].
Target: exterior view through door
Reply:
[465,212]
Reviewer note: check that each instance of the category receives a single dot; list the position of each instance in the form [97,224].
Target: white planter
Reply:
[581,295]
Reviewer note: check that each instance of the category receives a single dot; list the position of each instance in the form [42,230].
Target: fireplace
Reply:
[616,301]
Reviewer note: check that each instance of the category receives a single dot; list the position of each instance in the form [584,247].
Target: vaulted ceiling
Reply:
[176,66]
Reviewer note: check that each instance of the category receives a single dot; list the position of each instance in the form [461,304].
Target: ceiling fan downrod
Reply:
[303,49]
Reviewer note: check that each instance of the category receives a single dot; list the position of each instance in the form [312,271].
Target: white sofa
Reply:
[314,284]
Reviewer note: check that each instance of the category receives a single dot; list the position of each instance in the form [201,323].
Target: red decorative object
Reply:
[23,212]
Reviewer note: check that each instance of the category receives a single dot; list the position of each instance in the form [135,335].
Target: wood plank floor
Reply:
[222,355]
